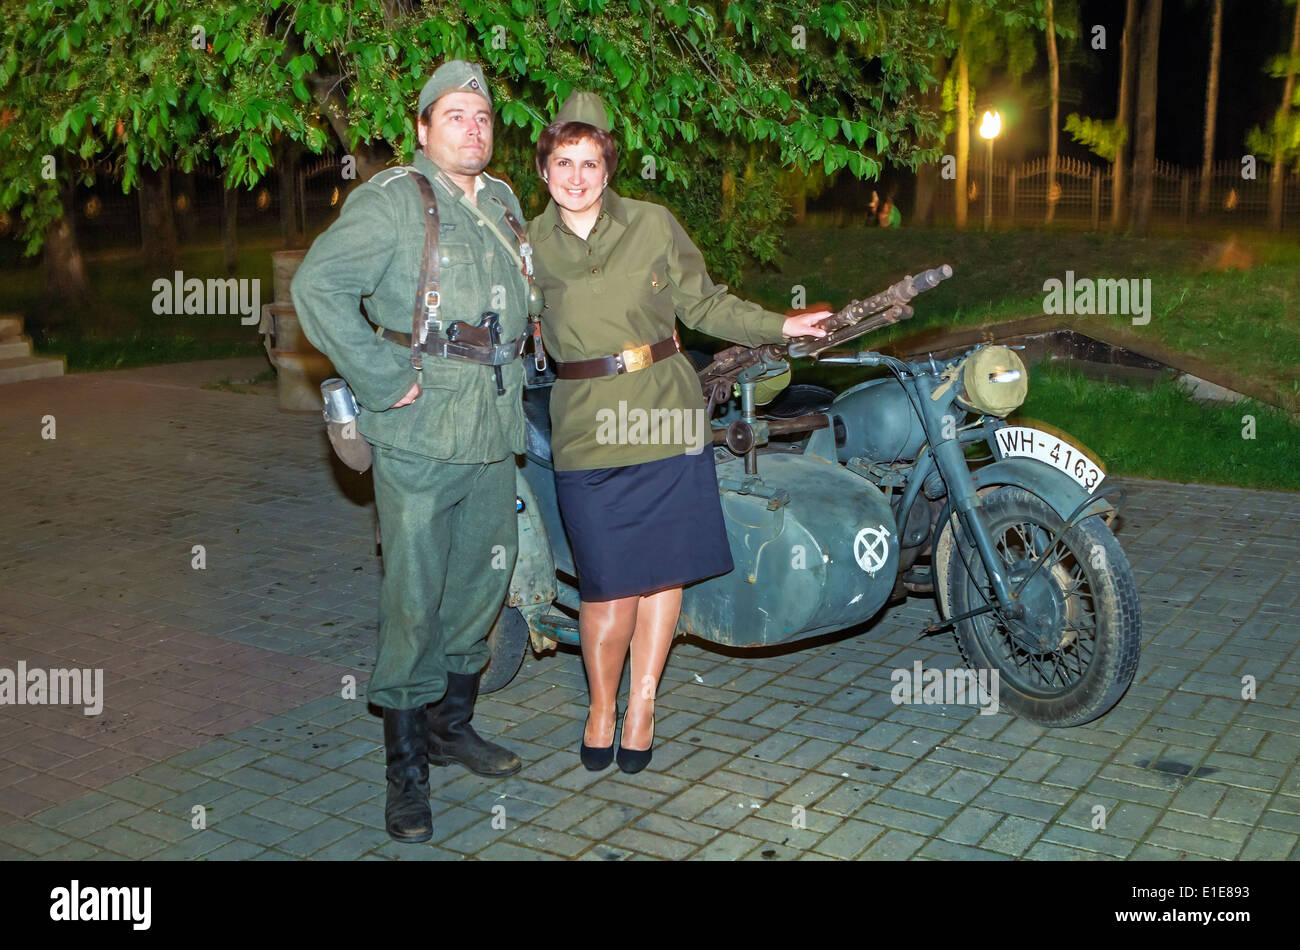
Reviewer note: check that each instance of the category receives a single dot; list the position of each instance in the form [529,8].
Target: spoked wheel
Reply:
[1074,652]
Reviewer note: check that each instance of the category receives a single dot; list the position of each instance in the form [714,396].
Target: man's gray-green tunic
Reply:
[373,252]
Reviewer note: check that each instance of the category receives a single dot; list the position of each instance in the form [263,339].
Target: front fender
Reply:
[1061,493]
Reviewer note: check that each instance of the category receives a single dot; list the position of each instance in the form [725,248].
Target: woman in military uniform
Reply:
[631,445]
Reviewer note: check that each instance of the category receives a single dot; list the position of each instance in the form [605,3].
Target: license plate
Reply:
[1024,442]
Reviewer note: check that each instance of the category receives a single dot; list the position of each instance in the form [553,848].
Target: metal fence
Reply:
[1083,194]
[107,218]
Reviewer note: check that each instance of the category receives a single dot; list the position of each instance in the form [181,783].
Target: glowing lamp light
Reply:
[990,125]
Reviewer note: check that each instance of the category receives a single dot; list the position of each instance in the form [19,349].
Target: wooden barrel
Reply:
[300,368]
[298,377]
[284,264]
[282,329]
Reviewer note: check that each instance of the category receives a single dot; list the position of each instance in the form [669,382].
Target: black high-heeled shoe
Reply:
[634,760]
[596,758]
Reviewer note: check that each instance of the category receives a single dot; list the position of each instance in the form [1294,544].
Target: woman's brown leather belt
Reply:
[628,361]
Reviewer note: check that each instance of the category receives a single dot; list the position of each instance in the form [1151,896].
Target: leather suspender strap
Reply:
[534,319]
[525,249]
[427,299]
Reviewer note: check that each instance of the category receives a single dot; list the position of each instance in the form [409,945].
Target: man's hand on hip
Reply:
[408,398]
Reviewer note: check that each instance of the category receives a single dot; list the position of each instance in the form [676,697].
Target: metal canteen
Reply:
[340,412]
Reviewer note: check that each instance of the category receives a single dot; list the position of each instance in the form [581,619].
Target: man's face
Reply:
[458,138]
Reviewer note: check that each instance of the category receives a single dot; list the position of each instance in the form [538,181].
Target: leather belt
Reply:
[628,361]
[435,344]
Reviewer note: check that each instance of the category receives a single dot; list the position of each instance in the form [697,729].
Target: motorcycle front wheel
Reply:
[1074,652]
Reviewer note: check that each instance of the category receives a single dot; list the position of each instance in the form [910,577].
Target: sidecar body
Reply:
[813,545]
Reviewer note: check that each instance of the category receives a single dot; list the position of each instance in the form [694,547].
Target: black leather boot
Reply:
[451,738]
[407,814]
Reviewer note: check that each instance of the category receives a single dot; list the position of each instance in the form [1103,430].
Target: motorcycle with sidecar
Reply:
[839,504]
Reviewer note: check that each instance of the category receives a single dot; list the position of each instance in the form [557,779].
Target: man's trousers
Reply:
[450,536]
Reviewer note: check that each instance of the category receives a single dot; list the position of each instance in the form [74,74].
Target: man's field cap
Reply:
[455,75]
[583,107]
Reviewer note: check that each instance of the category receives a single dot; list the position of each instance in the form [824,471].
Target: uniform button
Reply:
[595,270]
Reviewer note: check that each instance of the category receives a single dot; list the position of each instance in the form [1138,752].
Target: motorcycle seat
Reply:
[799,400]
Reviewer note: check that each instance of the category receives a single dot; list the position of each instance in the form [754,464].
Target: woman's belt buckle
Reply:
[634,358]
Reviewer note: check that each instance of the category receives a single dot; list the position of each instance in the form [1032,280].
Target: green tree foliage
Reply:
[1282,134]
[713,92]
[1104,137]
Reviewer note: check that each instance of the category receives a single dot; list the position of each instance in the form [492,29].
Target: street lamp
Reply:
[990,126]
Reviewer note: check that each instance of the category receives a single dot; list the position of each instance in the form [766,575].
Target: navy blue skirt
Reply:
[637,529]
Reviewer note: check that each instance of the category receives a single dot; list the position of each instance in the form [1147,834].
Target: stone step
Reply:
[23,368]
[14,349]
[11,326]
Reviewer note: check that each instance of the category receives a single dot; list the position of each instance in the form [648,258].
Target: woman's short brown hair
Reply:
[570,133]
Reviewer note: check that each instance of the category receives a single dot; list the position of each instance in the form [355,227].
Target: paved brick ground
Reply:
[225,734]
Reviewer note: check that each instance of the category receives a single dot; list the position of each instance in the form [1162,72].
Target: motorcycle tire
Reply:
[1089,582]
[507,641]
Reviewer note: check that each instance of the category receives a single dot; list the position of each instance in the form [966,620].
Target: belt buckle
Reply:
[635,358]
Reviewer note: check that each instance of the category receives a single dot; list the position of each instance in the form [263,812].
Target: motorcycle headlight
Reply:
[994,381]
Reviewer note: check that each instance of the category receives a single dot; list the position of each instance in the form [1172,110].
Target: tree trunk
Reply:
[286,167]
[229,214]
[370,157]
[728,193]
[799,205]
[1211,109]
[157,226]
[65,271]
[927,176]
[1144,145]
[185,212]
[963,132]
[1279,155]
[1124,118]
[1054,72]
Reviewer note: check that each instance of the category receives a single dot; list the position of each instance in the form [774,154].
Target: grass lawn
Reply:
[1244,320]
[1162,433]
[117,328]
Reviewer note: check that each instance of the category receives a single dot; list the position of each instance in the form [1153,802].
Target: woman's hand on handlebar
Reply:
[804,324]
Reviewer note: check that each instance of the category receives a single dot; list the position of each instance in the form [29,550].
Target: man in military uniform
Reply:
[444,434]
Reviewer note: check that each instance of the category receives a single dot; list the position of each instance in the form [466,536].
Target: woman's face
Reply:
[576,175]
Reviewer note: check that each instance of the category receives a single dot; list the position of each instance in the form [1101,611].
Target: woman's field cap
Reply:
[583,107]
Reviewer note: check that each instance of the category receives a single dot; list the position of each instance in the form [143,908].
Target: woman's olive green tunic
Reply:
[626,285]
